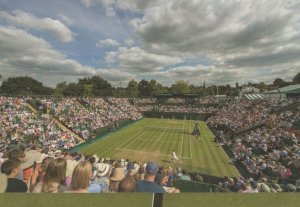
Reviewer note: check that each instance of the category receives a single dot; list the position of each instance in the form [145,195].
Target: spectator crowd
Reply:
[262,138]
[34,147]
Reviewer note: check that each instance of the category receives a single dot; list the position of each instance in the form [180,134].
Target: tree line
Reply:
[96,86]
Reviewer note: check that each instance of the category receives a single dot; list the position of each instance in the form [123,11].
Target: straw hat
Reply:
[96,158]
[277,188]
[265,188]
[273,190]
[135,169]
[102,169]
[118,174]
[31,156]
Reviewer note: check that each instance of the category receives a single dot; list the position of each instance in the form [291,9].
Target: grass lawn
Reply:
[153,139]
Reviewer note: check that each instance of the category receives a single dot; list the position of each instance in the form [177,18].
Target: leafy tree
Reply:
[60,88]
[122,92]
[180,87]
[296,78]
[73,89]
[88,90]
[101,87]
[25,86]
[279,82]
[132,88]
[154,86]
[144,88]
[193,88]
[262,86]
[162,89]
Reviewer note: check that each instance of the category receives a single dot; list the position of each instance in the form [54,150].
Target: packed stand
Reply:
[19,124]
[179,105]
[87,115]
[36,171]
[127,111]
[240,115]
[75,116]
[271,150]
[144,100]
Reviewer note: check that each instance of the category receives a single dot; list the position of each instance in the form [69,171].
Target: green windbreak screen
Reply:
[76,200]
[231,200]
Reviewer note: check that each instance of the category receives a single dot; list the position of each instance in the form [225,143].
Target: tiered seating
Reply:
[178,105]
[122,104]
[86,116]
[19,124]
[270,150]
[75,116]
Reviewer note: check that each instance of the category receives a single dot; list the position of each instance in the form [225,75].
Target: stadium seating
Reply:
[261,137]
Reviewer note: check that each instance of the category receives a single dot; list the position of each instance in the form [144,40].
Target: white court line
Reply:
[151,140]
[181,144]
[208,129]
[164,128]
[150,153]
[191,148]
[153,200]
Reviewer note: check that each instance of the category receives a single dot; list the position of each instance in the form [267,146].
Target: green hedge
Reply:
[191,186]
[75,200]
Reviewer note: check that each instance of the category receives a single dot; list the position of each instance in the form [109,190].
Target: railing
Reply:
[192,186]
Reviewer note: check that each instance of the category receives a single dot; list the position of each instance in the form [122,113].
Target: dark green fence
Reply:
[191,186]
[296,125]
[176,115]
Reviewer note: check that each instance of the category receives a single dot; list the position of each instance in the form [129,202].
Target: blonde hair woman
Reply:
[54,179]
[81,177]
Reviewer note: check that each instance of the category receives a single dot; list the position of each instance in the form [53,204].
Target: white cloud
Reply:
[112,6]
[110,57]
[239,40]
[249,35]
[25,54]
[209,27]
[136,60]
[115,75]
[22,54]
[128,42]
[29,21]
[65,19]
[197,74]
[107,43]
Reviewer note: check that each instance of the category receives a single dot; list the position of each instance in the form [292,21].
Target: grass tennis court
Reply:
[153,139]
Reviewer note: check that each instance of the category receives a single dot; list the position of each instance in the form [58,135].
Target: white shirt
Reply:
[174,155]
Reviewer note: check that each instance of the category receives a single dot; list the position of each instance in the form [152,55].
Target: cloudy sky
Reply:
[194,40]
